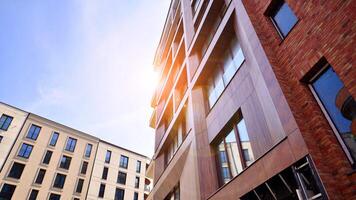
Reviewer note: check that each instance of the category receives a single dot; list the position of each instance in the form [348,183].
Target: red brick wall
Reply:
[325,29]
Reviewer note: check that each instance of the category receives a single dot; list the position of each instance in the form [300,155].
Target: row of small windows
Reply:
[34,132]
[119,193]
[124,161]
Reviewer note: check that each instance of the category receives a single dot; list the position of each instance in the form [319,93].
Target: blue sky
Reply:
[84,63]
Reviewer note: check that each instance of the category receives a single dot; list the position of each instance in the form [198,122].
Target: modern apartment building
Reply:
[118,173]
[256,100]
[48,160]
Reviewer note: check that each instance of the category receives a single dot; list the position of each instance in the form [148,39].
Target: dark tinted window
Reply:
[339,104]
[124,161]
[101,190]
[54,139]
[33,132]
[7,191]
[119,194]
[138,166]
[105,173]
[16,170]
[84,168]
[5,122]
[284,18]
[137,182]
[40,176]
[79,186]
[47,157]
[108,156]
[65,162]
[25,150]
[88,150]
[135,196]
[1,137]
[59,181]
[33,195]
[121,178]
[71,143]
[54,197]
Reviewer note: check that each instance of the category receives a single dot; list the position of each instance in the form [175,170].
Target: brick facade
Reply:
[324,29]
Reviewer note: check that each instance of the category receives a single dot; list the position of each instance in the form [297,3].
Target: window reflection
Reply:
[234,152]
[339,105]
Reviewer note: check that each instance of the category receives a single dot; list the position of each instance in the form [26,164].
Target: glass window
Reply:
[124,161]
[105,173]
[59,181]
[79,186]
[231,60]
[33,132]
[84,167]
[234,152]
[137,182]
[33,195]
[245,143]
[65,162]
[88,150]
[16,170]
[138,166]
[108,156]
[54,196]
[135,196]
[54,139]
[25,150]
[339,105]
[121,178]
[5,122]
[7,191]
[40,176]
[1,137]
[71,143]
[119,194]
[284,18]
[101,190]
[47,157]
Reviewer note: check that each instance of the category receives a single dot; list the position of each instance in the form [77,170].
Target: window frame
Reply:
[37,176]
[127,163]
[32,191]
[65,165]
[50,141]
[138,166]
[71,139]
[118,175]
[10,185]
[101,193]
[45,157]
[86,164]
[123,193]
[12,174]
[24,156]
[62,181]
[105,173]
[86,149]
[108,152]
[137,182]
[310,82]
[79,185]
[4,123]
[30,137]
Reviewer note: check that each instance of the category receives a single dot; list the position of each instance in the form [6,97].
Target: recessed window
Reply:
[138,166]
[121,178]
[16,170]
[40,176]
[135,196]
[84,168]
[7,191]
[283,18]
[88,149]
[47,157]
[105,173]
[71,143]
[65,162]
[79,186]
[234,151]
[59,181]
[53,196]
[1,137]
[5,122]
[231,60]
[174,194]
[338,106]
[33,195]
[25,150]
[137,182]
[33,132]
[54,139]
[108,156]
[102,190]
[119,194]
[124,161]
